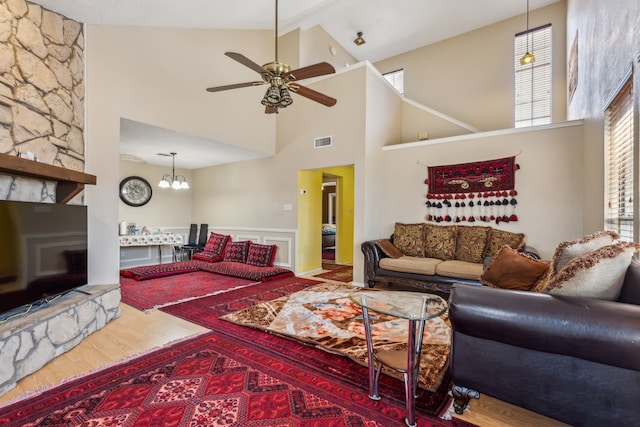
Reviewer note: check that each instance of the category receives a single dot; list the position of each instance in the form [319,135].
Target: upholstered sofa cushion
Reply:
[236,251]
[598,274]
[409,264]
[510,269]
[499,238]
[261,255]
[440,241]
[566,251]
[471,242]
[459,269]
[409,238]
[217,242]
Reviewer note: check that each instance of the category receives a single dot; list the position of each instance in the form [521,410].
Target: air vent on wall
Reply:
[323,142]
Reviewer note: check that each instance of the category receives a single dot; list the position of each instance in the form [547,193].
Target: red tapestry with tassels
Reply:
[469,192]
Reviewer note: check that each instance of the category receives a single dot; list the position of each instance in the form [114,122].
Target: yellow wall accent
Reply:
[309,220]
[310,216]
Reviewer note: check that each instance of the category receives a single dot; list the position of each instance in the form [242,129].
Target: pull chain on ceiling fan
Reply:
[281,79]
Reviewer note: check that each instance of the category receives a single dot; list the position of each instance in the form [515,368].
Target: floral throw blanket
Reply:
[324,315]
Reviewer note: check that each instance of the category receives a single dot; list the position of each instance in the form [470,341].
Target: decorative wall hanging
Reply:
[477,191]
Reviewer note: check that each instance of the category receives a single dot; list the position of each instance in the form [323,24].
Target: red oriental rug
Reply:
[160,292]
[211,380]
[326,367]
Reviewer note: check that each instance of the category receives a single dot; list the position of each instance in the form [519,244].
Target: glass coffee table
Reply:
[417,308]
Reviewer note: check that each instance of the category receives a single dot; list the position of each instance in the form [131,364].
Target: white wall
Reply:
[158,76]
[470,77]
[608,35]
[549,182]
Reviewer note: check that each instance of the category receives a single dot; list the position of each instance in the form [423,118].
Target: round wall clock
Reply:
[135,191]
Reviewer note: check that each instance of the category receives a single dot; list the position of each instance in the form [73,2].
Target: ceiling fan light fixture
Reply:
[285,97]
[271,97]
[359,41]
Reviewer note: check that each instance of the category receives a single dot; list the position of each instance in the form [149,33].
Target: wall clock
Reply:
[135,191]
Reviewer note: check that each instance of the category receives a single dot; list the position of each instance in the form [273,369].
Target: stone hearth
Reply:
[29,341]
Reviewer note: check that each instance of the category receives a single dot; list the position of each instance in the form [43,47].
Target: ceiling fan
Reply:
[281,79]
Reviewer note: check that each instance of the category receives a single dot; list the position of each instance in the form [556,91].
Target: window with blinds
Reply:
[533,81]
[396,78]
[619,167]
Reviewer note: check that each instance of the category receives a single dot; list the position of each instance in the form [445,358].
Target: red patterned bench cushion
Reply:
[147,272]
[227,268]
[208,256]
[246,271]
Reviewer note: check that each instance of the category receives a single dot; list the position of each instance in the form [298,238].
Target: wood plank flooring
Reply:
[136,332]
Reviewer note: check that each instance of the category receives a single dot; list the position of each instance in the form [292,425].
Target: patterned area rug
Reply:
[323,315]
[331,367]
[338,273]
[211,380]
[163,291]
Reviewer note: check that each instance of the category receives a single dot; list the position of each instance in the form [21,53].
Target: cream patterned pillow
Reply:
[567,251]
[599,274]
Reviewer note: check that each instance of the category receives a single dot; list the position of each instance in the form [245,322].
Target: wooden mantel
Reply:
[70,182]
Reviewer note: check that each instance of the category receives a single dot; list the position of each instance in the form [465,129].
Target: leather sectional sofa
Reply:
[573,359]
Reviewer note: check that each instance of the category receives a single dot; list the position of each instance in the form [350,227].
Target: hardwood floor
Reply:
[136,332]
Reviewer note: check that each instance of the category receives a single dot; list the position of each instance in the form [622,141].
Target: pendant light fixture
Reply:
[528,57]
[177,182]
[359,41]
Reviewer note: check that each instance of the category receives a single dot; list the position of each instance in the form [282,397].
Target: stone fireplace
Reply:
[42,120]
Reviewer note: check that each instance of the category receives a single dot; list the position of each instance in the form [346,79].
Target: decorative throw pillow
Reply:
[388,248]
[471,242]
[510,269]
[261,255]
[236,251]
[409,238]
[566,251]
[440,241]
[599,274]
[499,238]
[216,243]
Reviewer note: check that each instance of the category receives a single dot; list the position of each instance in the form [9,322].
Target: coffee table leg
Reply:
[373,378]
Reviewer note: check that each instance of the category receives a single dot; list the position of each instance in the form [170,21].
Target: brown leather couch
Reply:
[576,360]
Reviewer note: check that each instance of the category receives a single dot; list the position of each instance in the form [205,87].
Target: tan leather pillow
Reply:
[388,249]
[510,269]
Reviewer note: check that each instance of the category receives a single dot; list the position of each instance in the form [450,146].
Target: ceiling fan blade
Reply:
[246,62]
[233,86]
[271,110]
[315,70]
[313,95]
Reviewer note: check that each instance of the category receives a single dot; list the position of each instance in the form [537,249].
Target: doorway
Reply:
[311,220]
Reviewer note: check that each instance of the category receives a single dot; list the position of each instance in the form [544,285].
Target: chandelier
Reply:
[177,182]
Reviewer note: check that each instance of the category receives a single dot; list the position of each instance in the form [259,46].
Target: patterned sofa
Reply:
[432,257]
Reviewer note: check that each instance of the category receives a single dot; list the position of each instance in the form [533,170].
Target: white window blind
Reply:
[533,81]
[619,212]
[396,78]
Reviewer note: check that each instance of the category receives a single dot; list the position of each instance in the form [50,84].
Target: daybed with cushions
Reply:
[568,349]
[433,257]
[244,259]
